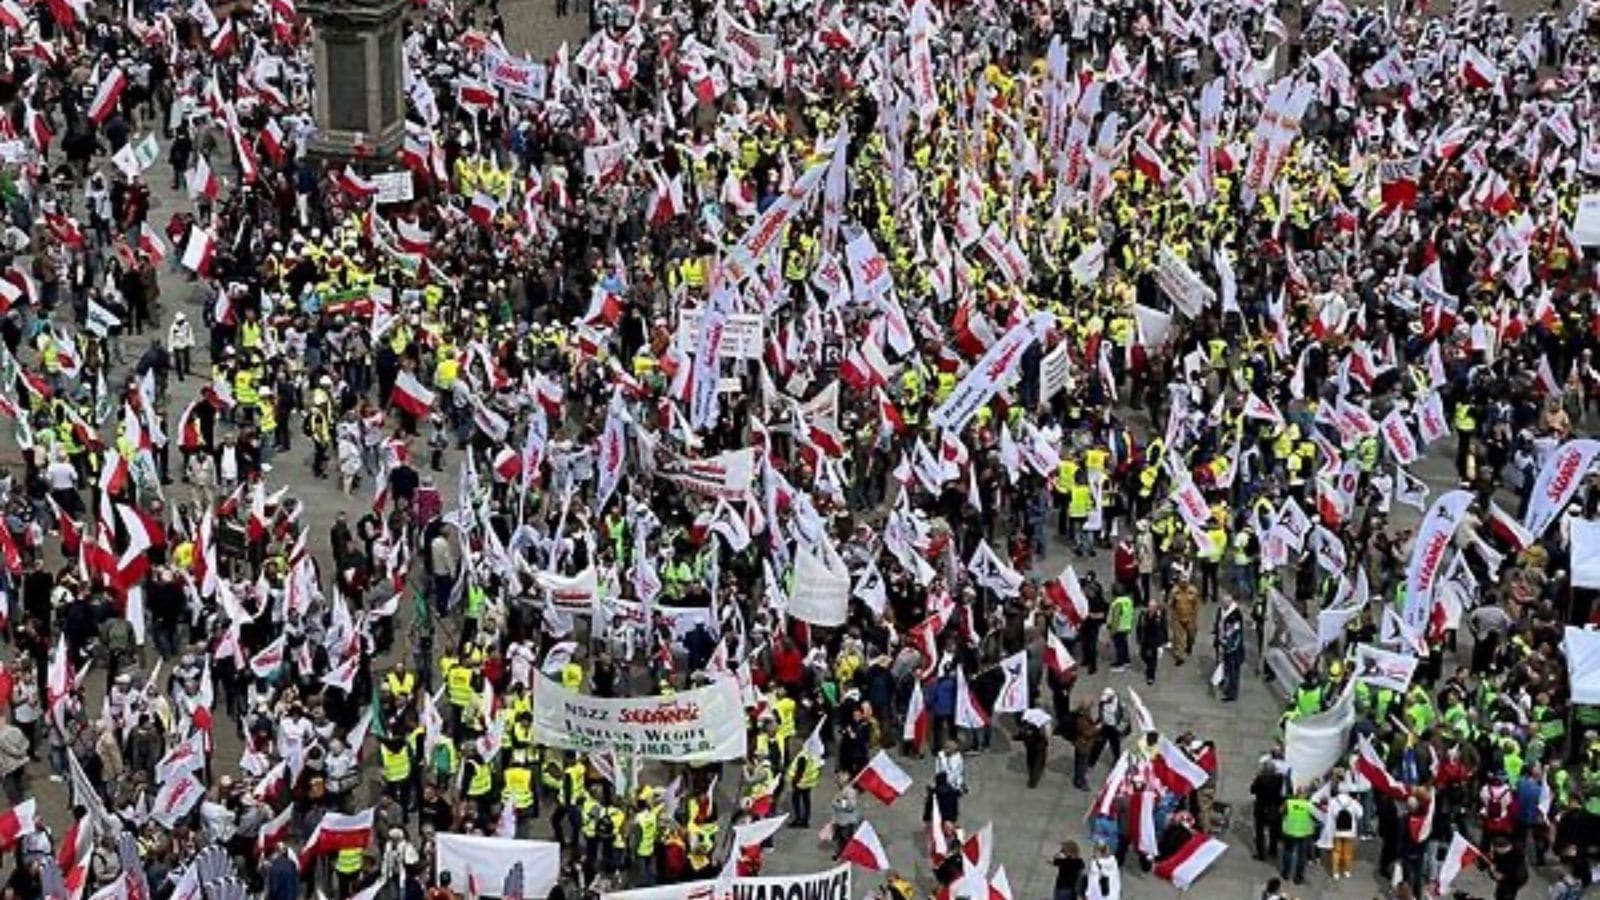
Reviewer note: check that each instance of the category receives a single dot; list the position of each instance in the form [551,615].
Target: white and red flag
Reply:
[918,718]
[865,850]
[1191,861]
[1371,767]
[17,823]
[353,184]
[197,254]
[884,779]
[106,95]
[335,832]
[409,394]
[1068,596]
[969,712]
[1460,855]
[1176,770]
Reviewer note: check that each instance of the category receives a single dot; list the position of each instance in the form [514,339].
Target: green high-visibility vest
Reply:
[1298,821]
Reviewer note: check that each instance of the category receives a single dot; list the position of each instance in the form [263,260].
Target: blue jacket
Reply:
[942,698]
[283,880]
[1528,792]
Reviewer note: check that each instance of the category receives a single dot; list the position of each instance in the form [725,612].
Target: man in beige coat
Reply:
[1184,601]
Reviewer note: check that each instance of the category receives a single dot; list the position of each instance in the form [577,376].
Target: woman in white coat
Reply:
[1103,876]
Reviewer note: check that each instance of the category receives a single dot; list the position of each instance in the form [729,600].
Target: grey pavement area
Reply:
[1029,824]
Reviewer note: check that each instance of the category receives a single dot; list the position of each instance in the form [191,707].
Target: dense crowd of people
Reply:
[714,406]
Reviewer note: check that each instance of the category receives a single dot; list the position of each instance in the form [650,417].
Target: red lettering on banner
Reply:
[670,715]
[1432,557]
[1566,471]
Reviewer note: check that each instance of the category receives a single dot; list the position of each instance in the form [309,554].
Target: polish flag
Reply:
[969,712]
[1494,194]
[410,395]
[1477,70]
[918,719]
[107,94]
[255,527]
[201,181]
[270,659]
[1149,163]
[39,129]
[483,209]
[413,238]
[64,229]
[74,854]
[1000,885]
[17,823]
[354,185]
[866,368]
[13,16]
[1176,770]
[1419,825]
[1142,806]
[865,850]
[272,139]
[883,779]
[1508,530]
[1106,798]
[58,677]
[1056,657]
[1067,595]
[1460,855]
[198,252]
[889,415]
[1371,767]
[1545,379]
[1190,862]
[507,463]
[275,831]
[224,39]
[151,243]
[475,93]
[337,832]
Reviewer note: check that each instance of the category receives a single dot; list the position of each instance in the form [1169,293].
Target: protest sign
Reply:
[702,725]
[485,862]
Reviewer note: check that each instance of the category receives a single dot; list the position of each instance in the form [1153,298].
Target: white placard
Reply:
[519,77]
[485,862]
[743,334]
[1053,369]
[1585,553]
[393,187]
[1586,223]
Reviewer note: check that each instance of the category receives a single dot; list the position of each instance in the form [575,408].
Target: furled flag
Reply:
[969,712]
[918,719]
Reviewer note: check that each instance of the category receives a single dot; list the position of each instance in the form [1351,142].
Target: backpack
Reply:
[1343,821]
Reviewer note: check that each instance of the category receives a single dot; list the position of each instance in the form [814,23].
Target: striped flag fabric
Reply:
[1191,861]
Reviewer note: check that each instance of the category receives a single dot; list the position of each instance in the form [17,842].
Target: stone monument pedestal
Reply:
[360,98]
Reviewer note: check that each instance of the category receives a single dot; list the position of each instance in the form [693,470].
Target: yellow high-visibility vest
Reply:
[519,786]
[481,781]
[459,686]
[348,862]
[396,765]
